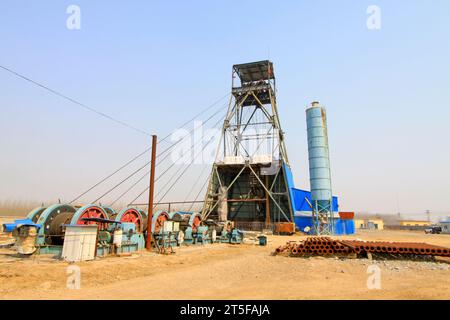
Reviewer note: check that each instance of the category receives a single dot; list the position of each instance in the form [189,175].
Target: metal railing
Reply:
[254,226]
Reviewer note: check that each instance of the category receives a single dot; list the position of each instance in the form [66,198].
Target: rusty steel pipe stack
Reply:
[326,246]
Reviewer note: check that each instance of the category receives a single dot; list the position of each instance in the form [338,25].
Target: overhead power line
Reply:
[148,149]
[147,163]
[123,123]
[110,175]
[179,176]
[199,192]
[100,113]
[129,189]
[200,142]
[184,171]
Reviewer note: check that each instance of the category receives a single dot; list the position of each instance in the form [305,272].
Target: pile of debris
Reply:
[6,240]
[326,246]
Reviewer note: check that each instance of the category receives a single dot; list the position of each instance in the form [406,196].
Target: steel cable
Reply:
[146,164]
[184,171]
[129,189]
[140,194]
[199,192]
[148,149]
[100,113]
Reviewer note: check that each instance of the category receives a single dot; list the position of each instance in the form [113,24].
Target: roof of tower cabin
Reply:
[254,71]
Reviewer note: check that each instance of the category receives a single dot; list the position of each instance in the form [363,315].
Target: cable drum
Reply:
[56,230]
[182,218]
[184,223]
[89,211]
[133,215]
[35,214]
[111,212]
[47,217]
[144,219]
[158,220]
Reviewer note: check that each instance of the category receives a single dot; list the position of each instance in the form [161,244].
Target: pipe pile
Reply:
[326,246]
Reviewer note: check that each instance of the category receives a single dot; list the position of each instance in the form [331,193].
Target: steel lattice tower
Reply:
[250,178]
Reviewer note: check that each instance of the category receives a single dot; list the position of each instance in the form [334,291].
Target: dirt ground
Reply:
[223,271]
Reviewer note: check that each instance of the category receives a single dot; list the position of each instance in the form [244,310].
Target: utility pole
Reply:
[398,206]
[150,194]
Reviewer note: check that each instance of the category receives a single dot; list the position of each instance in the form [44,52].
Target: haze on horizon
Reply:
[386,91]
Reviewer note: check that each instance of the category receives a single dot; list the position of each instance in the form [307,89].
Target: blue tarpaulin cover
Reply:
[290,183]
[299,203]
[297,196]
[9,227]
[302,205]
[340,226]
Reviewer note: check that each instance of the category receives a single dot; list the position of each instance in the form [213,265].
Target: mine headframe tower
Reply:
[251,178]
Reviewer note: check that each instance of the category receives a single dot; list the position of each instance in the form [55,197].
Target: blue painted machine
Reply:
[165,231]
[117,232]
[9,227]
[50,222]
[193,231]
[224,232]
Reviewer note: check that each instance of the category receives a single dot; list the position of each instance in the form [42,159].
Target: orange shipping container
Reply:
[346,215]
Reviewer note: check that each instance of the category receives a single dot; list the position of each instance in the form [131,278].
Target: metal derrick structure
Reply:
[133,221]
[248,178]
[256,92]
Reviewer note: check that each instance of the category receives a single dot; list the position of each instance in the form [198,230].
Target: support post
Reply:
[150,194]
[267,204]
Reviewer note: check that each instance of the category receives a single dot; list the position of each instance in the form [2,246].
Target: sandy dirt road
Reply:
[223,271]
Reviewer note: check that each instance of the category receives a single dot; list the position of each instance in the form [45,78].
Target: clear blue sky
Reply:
[155,64]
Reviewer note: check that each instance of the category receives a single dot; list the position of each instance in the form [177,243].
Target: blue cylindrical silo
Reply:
[319,161]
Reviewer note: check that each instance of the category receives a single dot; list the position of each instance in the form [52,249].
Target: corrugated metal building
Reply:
[415,223]
[369,223]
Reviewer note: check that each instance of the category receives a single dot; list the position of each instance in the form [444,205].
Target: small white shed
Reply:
[79,243]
